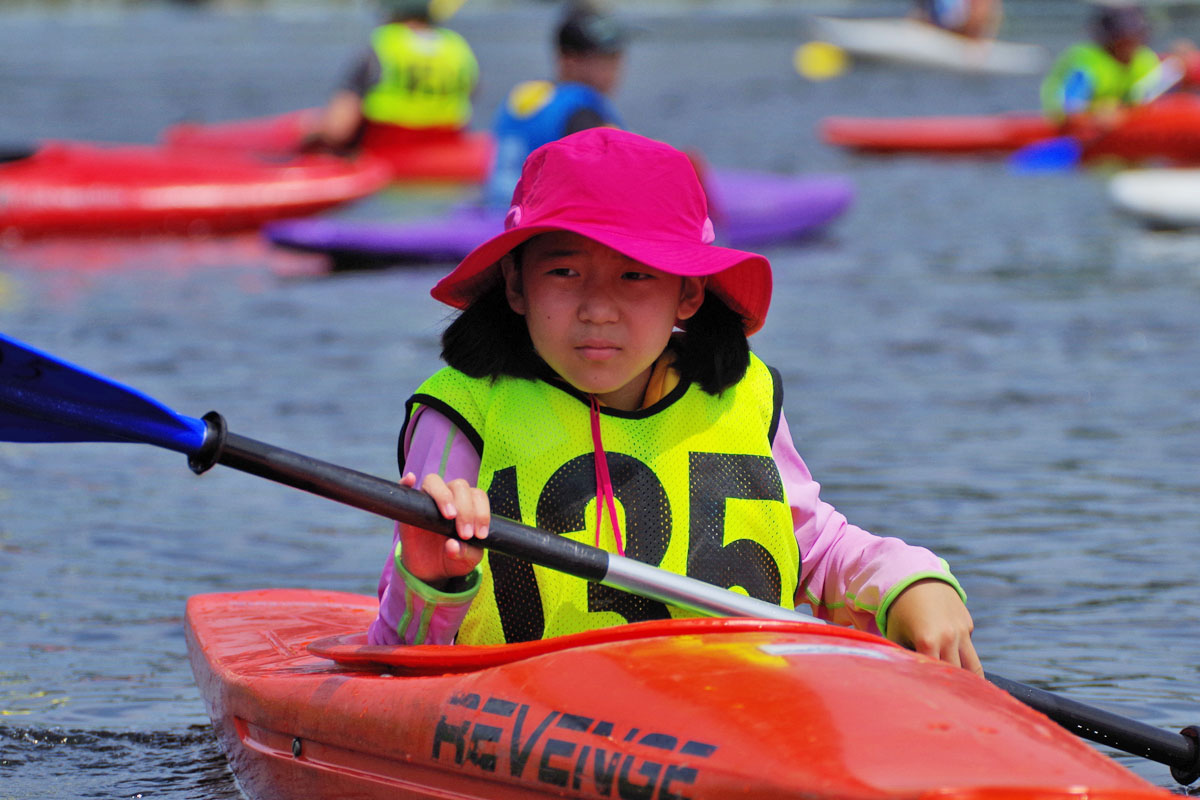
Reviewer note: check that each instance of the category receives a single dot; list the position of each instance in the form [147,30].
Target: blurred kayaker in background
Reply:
[977,19]
[589,47]
[601,356]
[1115,70]
[415,80]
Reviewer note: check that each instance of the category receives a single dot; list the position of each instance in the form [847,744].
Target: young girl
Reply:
[600,386]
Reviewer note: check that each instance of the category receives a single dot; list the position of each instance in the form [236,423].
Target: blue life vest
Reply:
[535,113]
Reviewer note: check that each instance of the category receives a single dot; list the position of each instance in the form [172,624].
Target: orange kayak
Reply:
[690,708]
[412,155]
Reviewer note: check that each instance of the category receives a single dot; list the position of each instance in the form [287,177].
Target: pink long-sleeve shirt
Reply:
[847,575]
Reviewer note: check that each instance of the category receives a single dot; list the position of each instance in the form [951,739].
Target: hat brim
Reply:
[741,279]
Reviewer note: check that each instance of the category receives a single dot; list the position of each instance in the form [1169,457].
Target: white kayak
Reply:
[1159,198]
[910,41]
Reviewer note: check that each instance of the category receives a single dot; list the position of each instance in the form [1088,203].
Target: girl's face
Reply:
[597,317]
[1124,48]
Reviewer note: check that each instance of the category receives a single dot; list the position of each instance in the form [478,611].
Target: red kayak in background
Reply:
[1166,130]
[76,188]
[682,708]
[981,135]
[412,155]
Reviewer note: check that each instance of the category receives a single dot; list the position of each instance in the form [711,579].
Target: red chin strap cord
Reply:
[604,490]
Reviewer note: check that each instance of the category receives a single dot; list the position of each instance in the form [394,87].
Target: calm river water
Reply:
[992,365]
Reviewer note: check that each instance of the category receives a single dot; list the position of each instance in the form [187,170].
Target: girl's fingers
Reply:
[467,505]
[474,510]
[955,649]
[457,550]
[951,654]
[970,659]
[443,495]
[483,512]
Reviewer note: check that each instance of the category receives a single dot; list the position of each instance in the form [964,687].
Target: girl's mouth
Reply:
[594,350]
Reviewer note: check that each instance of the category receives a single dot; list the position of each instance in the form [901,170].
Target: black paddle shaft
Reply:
[388,499]
[1179,751]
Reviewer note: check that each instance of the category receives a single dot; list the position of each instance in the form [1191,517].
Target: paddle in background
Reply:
[1061,153]
[46,399]
[15,152]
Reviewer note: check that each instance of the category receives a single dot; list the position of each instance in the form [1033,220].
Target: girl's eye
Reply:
[637,276]
[560,272]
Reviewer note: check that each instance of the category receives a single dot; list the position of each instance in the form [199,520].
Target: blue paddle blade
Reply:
[1049,155]
[45,399]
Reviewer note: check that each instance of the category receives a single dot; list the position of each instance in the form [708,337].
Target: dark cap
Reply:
[1120,21]
[585,30]
[407,9]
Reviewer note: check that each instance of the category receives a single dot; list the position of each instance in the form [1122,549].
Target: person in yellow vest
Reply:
[416,76]
[1115,70]
[601,387]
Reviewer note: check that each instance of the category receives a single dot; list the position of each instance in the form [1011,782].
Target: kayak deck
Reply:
[682,708]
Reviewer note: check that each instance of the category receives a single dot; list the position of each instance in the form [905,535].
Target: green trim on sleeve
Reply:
[423,631]
[431,595]
[894,592]
[406,619]
[816,602]
[446,450]
[434,598]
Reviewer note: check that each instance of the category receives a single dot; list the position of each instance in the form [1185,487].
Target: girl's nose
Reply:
[598,306]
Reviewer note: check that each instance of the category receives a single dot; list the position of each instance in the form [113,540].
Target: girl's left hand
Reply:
[930,617]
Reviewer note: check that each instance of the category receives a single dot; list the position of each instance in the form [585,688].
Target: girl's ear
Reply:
[691,297]
[512,284]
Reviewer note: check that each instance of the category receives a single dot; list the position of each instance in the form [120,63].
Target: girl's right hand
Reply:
[433,558]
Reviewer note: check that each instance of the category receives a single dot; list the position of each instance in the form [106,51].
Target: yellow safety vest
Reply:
[698,493]
[1108,81]
[426,78]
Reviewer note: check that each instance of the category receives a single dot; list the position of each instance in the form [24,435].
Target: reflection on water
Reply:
[995,366]
[85,255]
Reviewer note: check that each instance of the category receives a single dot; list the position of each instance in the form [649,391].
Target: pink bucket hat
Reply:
[636,195]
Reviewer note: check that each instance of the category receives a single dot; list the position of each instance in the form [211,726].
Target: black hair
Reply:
[713,351]
[584,30]
[408,10]
[489,339]
[1111,22]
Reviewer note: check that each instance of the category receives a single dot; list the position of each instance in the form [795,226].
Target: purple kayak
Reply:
[752,209]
